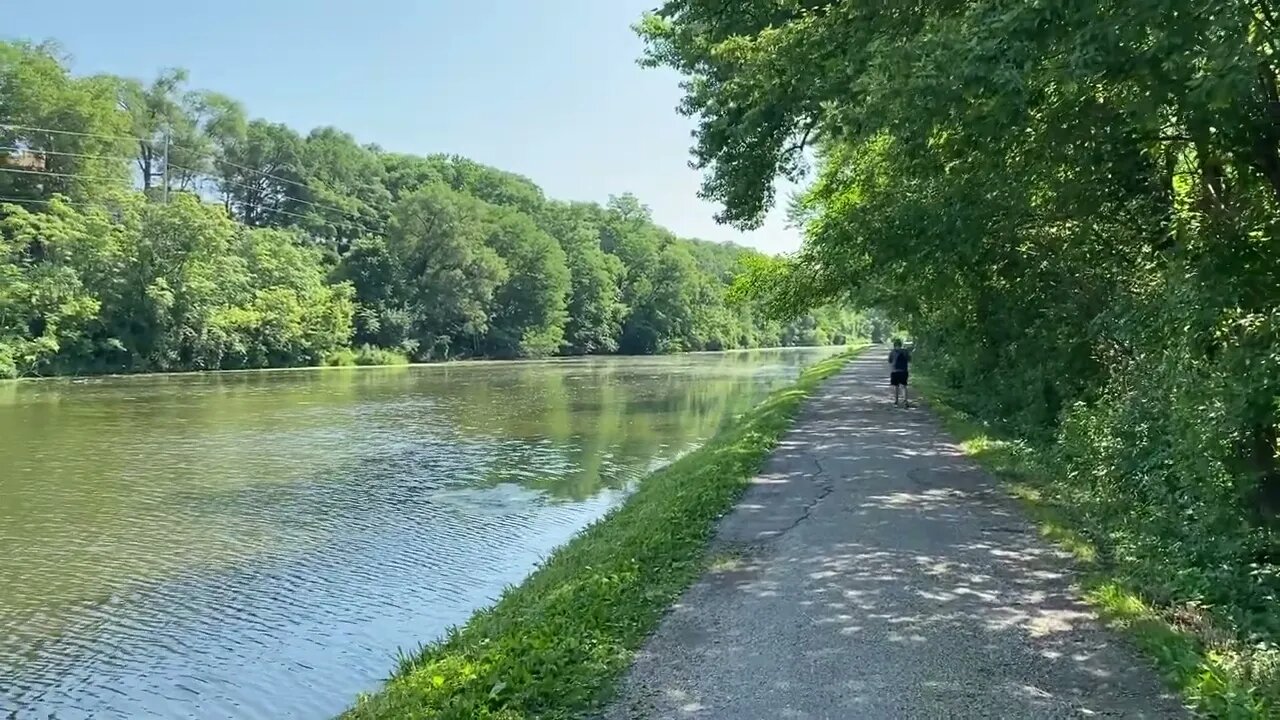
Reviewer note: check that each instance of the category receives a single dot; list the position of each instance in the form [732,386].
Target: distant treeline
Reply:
[148,227]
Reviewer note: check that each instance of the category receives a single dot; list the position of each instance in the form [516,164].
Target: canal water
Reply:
[262,544]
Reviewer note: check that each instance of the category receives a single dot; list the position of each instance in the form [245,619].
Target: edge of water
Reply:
[554,645]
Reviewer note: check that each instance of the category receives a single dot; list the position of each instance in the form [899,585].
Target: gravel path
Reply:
[873,572]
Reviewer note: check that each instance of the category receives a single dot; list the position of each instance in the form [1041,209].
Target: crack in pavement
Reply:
[825,489]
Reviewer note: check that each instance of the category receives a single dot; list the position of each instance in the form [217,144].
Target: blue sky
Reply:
[546,88]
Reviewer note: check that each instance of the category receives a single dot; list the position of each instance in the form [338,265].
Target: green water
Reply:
[260,544]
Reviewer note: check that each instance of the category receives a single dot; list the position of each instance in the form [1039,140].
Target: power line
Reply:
[220,181]
[50,201]
[12,126]
[345,222]
[263,173]
[61,153]
[214,158]
[38,201]
[269,208]
[223,181]
[277,178]
[50,173]
[274,209]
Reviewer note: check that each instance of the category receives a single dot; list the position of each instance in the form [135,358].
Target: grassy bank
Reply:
[365,356]
[1198,649]
[552,647]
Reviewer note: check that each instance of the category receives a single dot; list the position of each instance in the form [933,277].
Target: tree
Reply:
[62,135]
[662,313]
[298,317]
[438,239]
[214,123]
[495,187]
[406,173]
[595,309]
[320,240]
[381,319]
[46,310]
[529,311]
[260,173]
[163,122]
[1073,209]
[344,194]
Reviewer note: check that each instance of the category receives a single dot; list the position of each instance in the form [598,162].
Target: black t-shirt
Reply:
[900,358]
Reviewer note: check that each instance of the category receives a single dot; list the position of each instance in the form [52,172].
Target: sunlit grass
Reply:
[1214,672]
[725,562]
[365,356]
[553,646]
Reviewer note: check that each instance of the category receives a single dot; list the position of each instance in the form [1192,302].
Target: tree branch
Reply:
[799,146]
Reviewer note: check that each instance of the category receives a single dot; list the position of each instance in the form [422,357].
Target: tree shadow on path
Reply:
[871,571]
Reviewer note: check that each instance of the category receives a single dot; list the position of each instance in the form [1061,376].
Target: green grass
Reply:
[1217,675]
[365,356]
[553,646]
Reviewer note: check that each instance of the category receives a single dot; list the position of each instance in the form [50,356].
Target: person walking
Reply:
[899,370]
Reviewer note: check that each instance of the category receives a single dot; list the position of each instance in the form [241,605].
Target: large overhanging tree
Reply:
[1029,172]
[1073,206]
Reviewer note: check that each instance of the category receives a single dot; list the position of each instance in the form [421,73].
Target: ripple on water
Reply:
[260,547]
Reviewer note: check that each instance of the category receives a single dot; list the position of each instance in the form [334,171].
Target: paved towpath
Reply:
[883,576]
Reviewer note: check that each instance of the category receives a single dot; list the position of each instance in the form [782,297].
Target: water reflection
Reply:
[260,544]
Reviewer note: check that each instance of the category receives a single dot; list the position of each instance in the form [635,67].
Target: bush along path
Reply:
[872,571]
[553,646]
[1223,659]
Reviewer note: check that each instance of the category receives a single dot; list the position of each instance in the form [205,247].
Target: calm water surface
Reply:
[260,545]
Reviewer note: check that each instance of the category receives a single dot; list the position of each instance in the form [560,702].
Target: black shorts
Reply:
[898,377]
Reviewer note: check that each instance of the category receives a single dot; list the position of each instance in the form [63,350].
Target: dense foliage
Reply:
[145,226]
[1075,208]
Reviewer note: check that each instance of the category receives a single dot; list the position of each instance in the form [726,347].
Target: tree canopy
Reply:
[147,225]
[1072,206]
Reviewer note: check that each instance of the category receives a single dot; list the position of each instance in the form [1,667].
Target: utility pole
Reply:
[166,165]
